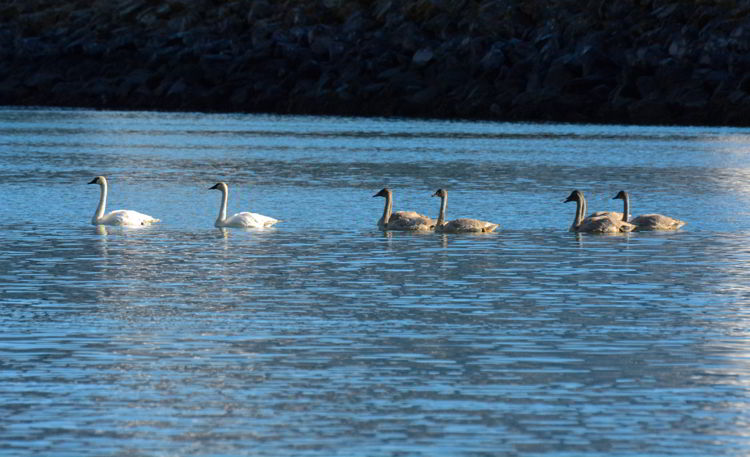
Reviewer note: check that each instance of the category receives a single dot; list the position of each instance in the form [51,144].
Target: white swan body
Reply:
[409,221]
[462,225]
[605,222]
[239,220]
[649,221]
[124,217]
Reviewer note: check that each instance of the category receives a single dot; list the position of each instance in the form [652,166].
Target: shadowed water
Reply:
[326,337]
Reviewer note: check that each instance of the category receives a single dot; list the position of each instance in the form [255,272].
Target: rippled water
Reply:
[325,337]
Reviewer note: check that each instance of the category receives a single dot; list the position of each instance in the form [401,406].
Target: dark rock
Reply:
[65,90]
[240,96]
[679,48]
[355,24]
[695,97]
[11,87]
[493,59]
[129,9]
[44,78]
[259,9]
[178,89]
[649,111]
[560,73]
[738,97]
[424,96]
[649,61]
[423,57]
[32,47]
[594,90]
[647,87]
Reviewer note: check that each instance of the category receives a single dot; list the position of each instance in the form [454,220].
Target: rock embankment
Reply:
[647,61]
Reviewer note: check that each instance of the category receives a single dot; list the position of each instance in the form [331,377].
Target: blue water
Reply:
[326,337]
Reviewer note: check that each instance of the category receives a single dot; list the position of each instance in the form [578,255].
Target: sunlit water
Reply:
[326,337]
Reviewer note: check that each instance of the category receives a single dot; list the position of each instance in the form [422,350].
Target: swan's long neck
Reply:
[223,210]
[441,215]
[388,208]
[584,209]
[102,200]
[626,210]
[580,212]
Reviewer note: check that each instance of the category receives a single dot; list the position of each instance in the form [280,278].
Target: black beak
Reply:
[93,181]
[215,186]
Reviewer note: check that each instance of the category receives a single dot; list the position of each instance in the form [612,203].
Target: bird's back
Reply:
[126,217]
[604,224]
[656,222]
[465,225]
[250,220]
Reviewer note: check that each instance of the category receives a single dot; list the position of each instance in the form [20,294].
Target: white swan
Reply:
[120,217]
[401,220]
[240,220]
[648,221]
[603,223]
[462,225]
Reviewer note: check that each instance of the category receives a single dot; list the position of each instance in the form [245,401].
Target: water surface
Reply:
[326,337]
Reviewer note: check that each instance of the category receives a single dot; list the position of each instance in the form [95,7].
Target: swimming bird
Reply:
[239,220]
[123,217]
[410,221]
[612,214]
[462,225]
[594,224]
[648,221]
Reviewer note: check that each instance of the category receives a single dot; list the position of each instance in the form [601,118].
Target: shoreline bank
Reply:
[631,62]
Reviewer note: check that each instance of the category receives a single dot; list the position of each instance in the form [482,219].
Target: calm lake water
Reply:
[325,337]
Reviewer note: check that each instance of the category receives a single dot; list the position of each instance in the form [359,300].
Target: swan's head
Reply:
[222,186]
[101,180]
[622,195]
[385,192]
[575,196]
[440,193]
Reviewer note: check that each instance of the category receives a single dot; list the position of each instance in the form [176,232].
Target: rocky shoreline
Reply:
[641,62]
